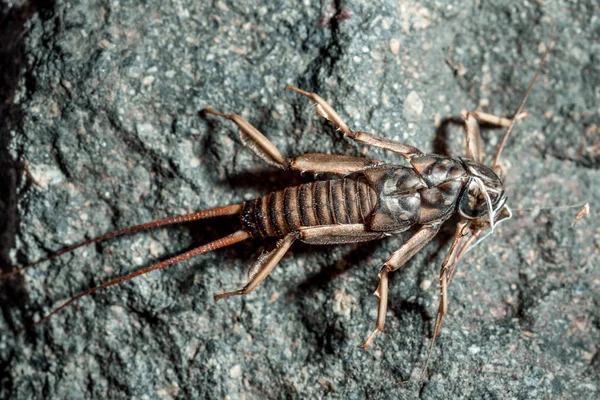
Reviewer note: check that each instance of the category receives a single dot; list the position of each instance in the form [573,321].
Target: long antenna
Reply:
[529,89]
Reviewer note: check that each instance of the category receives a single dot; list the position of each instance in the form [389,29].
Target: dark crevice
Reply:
[13,28]
[329,54]
[383,83]
[525,303]
[59,157]
[13,294]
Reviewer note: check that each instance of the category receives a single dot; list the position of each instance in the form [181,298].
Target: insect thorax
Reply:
[429,192]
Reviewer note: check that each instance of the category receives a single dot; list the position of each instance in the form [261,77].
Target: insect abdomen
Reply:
[338,201]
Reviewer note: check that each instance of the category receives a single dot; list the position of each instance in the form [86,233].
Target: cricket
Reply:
[365,200]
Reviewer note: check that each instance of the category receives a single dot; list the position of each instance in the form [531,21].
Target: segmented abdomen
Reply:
[338,201]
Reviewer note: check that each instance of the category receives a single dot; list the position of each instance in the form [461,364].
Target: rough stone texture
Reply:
[101,99]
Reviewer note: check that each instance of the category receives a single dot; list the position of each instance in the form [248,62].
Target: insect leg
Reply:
[323,234]
[263,266]
[316,163]
[493,119]
[327,112]
[331,163]
[394,262]
[382,294]
[338,234]
[474,149]
[411,247]
[443,306]
[256,141]
[463,238]
[399,148]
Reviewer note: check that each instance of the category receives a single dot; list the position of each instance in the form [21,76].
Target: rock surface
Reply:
[101,101]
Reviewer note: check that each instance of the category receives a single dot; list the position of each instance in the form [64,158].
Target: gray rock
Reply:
[101,99]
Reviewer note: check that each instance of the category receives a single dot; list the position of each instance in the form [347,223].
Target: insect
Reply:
[369,200]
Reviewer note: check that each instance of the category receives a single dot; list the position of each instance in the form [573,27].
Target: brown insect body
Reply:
[369,200]
[334,201]
[386,198]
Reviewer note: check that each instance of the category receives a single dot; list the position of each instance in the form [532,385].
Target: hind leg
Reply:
[256,141]
[327,112]
[323,234]
[263,267]
[474,148]
[394,262]
[316,163]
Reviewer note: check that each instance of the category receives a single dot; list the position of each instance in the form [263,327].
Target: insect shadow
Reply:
[442,142]
[13,25]
[13,295]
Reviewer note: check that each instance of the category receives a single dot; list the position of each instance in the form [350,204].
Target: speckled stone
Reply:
[101,100]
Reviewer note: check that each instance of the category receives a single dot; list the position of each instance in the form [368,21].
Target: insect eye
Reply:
[473,203]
